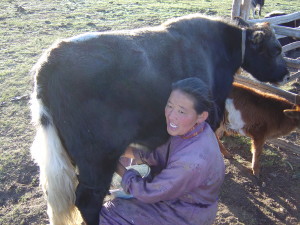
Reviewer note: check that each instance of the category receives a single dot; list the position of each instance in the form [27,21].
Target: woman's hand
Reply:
[121,170]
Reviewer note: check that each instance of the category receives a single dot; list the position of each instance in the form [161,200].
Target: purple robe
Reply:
[184,192]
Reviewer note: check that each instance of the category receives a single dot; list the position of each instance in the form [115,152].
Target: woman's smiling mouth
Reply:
[173,125]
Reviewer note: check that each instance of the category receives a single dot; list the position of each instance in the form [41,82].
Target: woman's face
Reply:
[180,113]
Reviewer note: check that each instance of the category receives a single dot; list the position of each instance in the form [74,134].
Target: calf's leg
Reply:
[256,149]
[223,150]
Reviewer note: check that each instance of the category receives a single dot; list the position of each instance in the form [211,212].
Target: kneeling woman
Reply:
[189,168]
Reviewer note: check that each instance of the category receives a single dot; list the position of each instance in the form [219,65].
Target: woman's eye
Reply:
[181,112]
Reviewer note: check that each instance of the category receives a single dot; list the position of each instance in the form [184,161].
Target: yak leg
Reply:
[89,202]
[97,153]
[94,181]
[96,135]
[256,149]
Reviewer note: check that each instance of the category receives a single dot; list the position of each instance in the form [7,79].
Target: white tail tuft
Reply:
[57,174]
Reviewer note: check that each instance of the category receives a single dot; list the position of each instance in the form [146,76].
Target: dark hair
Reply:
[201,95]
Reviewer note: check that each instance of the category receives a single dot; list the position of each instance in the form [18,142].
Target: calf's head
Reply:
[294,114]
[263,58]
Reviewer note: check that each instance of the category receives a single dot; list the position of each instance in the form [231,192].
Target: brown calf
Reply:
[258,115]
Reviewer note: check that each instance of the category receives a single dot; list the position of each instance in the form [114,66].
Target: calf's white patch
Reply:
[235,120]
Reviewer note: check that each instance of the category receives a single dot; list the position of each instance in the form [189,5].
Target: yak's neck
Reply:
[235,45]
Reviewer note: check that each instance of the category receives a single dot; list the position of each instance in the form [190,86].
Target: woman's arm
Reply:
[142,156]
[174,181]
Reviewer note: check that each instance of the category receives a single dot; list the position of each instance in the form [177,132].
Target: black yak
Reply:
[98,92]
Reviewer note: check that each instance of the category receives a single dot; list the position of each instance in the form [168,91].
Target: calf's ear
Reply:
[292,113]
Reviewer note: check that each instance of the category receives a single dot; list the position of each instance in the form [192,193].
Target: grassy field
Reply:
[29,27]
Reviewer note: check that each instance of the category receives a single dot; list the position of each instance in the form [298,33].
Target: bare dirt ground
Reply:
[274,198]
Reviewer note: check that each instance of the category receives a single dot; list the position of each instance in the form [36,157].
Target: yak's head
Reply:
[263,58]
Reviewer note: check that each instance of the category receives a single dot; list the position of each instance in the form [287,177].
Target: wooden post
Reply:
[240,8]
[236,8]
[245,9]
[292,97]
